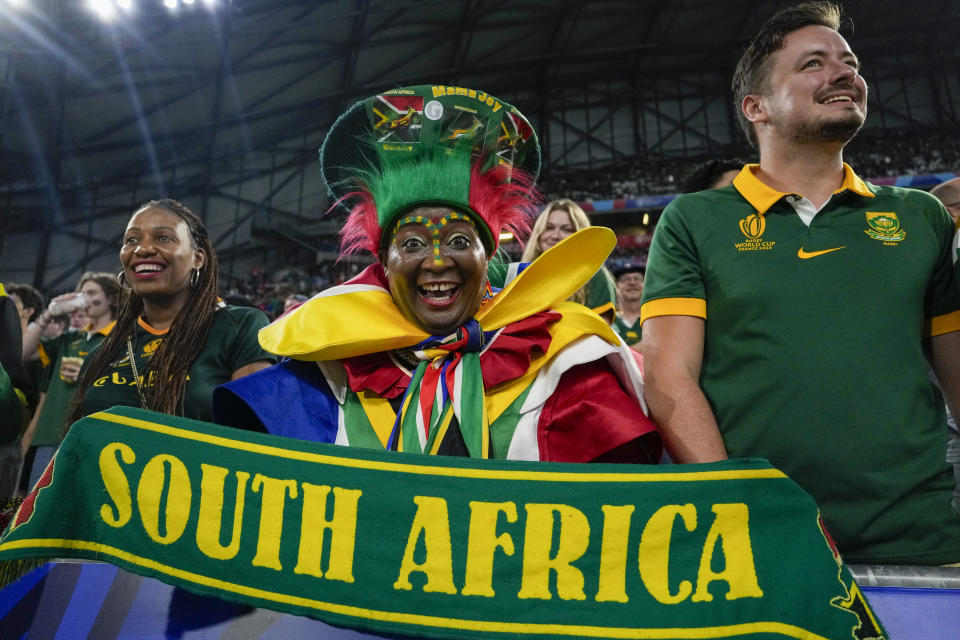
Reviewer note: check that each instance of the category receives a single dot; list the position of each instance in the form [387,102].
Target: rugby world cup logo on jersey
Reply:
[884,226]
[752,228]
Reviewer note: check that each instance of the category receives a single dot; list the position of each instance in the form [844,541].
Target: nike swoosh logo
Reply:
[806,255]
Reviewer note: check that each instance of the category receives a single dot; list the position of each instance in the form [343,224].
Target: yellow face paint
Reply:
[433,227]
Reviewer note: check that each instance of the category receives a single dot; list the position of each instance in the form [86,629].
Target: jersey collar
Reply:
[763,197]
[105,331]
[146,327]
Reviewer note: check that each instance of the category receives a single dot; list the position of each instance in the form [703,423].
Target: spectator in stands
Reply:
[712,174]
[558,220]
[29,303]
[28,300]
[173,341]
[16,396]
[58,324]
[630,288]
[78,320]
[792,326]
[97,298]
[293,300]
[949,194]
[406,351]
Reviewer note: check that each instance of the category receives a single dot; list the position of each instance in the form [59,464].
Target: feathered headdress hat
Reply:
[429,146]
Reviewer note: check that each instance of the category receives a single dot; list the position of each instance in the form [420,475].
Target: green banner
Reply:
[443,547]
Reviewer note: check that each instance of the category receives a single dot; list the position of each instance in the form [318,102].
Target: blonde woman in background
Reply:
[559,219]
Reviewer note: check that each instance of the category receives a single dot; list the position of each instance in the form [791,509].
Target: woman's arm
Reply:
[247,369]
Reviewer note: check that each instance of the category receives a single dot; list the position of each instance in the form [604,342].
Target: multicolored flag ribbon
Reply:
[442,547]
[446,391]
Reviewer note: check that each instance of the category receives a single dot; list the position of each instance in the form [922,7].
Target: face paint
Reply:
[437,295]
[433,227]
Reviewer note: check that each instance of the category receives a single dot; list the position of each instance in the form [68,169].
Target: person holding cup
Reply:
[97,296]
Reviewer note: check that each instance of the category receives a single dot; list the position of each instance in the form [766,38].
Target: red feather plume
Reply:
[505,198]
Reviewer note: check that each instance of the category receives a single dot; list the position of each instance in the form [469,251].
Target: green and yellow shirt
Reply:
[231,344]
[813,353]
[53,414]
[631,333]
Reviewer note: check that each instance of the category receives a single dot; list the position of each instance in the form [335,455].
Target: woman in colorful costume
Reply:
[418,353]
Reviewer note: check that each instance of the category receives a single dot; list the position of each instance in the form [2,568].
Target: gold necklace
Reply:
[136,376]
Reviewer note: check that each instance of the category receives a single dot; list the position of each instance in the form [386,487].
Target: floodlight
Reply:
[187,1]
[125,4]
[103,8]
[170,4]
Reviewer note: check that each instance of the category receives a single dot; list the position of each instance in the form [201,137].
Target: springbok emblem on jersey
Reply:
[884,226]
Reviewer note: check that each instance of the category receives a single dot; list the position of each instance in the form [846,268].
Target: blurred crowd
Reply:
[873,153]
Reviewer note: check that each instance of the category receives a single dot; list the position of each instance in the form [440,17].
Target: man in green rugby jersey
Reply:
[787,316]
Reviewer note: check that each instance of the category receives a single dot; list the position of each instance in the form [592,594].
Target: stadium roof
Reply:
[100,110]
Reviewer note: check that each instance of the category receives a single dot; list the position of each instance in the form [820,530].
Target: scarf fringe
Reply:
[12,570]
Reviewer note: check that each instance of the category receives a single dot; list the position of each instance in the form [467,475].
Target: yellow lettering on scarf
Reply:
[433,521]
[731,528]
[116,483]
[150,490]
[574,536]
[613,553]
[654,552]
[482,543]
[271,518]
[342,527]
[210,521]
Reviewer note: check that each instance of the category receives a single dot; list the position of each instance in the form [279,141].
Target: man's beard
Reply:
[832,130]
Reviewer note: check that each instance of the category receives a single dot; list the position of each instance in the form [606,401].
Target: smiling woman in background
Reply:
[418,353]
[174,341]
[558,220]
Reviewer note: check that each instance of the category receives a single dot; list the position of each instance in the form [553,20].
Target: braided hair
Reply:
[181,344]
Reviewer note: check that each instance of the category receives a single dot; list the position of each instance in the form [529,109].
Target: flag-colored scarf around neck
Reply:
[435,399]
[446,388]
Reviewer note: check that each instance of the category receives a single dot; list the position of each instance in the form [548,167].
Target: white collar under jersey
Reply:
[804,208]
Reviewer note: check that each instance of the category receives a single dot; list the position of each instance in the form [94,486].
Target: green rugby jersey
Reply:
[813,353]
[232,343]
[631,333]
[53,415]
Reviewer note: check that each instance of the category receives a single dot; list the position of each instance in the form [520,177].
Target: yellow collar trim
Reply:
[762,196]
[317,330]
[106,330]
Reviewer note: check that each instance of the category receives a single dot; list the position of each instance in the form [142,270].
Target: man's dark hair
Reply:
[29,297]
[706,174]
[754,66]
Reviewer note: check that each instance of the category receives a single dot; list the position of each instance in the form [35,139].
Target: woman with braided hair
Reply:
[173,341]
